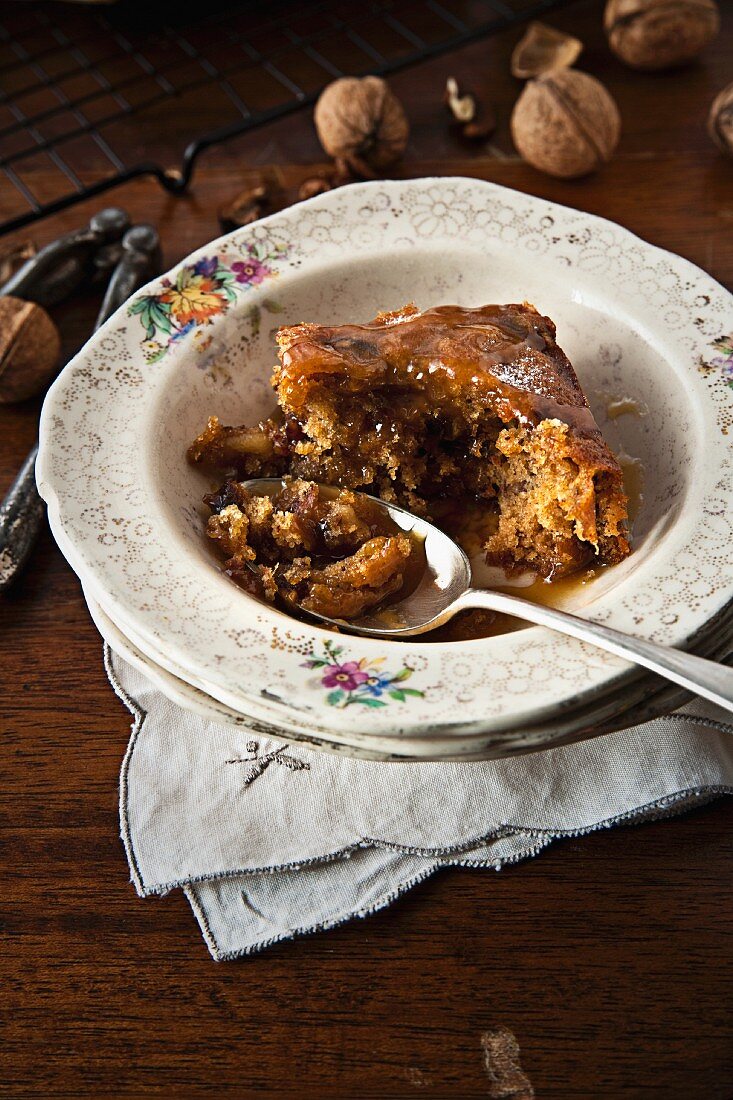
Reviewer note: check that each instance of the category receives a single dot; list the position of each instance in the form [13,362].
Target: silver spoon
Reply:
[445,589]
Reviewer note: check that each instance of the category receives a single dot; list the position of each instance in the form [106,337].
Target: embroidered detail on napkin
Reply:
[258,765]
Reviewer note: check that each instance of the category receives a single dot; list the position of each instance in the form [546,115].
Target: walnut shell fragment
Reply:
[542,49]
[657,34]
[482,126]
[339,173]
[260,198]
[566,124]
[720,120]
[474,119]
[312,186]
[461,104]
[363,122]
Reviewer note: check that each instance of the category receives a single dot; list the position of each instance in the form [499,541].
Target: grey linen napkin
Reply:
[270,841]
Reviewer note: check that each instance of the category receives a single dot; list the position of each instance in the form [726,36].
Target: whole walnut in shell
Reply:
[565,123]
[29,349]
[657,34]
[362,122]
[720,120]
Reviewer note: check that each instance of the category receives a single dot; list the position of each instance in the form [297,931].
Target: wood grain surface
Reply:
[600,969]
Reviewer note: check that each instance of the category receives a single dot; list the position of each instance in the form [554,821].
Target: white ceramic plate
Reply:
[125,508]
[643,700]
[185,695]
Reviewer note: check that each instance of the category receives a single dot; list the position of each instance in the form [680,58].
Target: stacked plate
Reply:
[648,334]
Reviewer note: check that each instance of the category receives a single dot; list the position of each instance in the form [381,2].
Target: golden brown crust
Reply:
[509,351]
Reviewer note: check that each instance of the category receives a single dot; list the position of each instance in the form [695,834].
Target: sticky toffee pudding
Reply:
[473,418]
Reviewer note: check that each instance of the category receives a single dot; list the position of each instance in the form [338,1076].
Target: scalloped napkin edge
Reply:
[270,841]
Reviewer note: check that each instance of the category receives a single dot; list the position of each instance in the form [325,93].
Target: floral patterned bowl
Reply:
[646,331]
[642,700]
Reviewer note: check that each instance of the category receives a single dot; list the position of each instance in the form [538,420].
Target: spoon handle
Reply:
[707,678]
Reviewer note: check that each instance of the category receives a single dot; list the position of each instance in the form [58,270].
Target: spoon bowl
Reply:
[445,589]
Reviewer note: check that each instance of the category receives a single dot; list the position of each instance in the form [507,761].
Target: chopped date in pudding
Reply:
[328,552]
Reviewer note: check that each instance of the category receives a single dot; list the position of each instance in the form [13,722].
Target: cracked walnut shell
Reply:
[657,34]
[720,120]
[363,122]
[566,124]
[29,349]
[542,49]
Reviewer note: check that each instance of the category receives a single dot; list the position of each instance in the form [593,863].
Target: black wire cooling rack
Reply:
[71,76]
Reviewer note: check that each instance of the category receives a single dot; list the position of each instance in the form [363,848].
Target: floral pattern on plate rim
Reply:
[361,681]
[724,345]
[199,293]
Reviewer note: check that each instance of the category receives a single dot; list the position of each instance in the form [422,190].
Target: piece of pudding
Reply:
[462,415]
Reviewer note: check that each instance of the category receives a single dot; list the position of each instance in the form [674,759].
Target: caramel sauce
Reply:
[507,353]
[488,624]
[625,406]
[633,472]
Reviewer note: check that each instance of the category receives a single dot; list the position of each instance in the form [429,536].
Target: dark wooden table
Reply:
[607,957]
